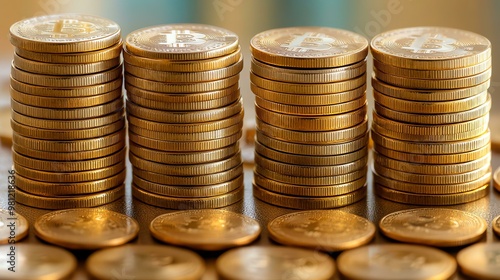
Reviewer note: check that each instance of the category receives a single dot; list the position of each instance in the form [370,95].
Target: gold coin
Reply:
[433,84]
[70,156]
[153,262]
[190,191]
[311,149]
[312,229]
[434,227]
[186,127]
[68,33]
[60,134]
[312,123]
[396,261]
[309,47]
[86,228]
[275,262]
[188,203]
[183,65]
[182,146]
[302,110]
[36,261]
[299,202]
[186,169]
[200,136]
[65,202]
[308,76]
[309,191]
[430,48]
[431,189]
[310,160]
[66,92]
[63,189]
[202,180]
[73,58]
[313,137]
[69,124]
[68,166]
[68,114]
[70,146]
[184,158]
[5,129]
[496,226]
[433,74]
[309,170]
[311,181]
[496,179]
[69,177]
[66,81]
[181,42]
[185,77]
[64,68]
[307,89]
[431,199]
[427,95]
[418,118]
[209,229]
[480,261]
[181,88]
[184,117]
[13,226]
[431,148]
[310,99]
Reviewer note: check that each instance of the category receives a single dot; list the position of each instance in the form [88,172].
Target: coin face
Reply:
[208,229]
[496,225]
[145,262]
[182,42]
[434,226]
[36,261]
[86,228]
[12,221]
[309,47]
[396,261]
[327,230]
[480,261]
[271,262]
[65,32]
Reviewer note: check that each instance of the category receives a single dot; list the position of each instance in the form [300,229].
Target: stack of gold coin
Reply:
[67,111]
[430,128]
[185,115]
[311,139]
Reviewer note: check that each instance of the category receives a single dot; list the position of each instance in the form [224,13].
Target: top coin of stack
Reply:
[311,140]
[430,128]
[185,115]
[67,111]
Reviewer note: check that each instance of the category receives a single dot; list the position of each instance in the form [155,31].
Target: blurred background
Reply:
[249,17]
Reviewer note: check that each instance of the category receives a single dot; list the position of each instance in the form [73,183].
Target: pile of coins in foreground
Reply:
[311,141]
[430,128]
[67,111]
[185,115]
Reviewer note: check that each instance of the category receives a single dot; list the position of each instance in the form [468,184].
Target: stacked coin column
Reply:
[430,128]
[185,115]
[67,111]
[311,141]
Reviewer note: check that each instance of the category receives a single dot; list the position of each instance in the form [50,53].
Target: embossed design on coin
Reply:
[10,220]
[434,226]
[480,261]
[328,230]
[496,226]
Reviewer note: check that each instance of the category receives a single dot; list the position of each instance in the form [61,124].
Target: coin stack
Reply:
[430,128]
[185,115]
[311,140]
[67,111]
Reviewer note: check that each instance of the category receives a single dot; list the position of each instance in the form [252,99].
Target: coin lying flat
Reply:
[327,230]
[434,226]
[9,220]
[396,261]
[496,179]
[208,229]
[496,226]
[86,228]
[36,261]
[480,261]
[153,262]
[271,262]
